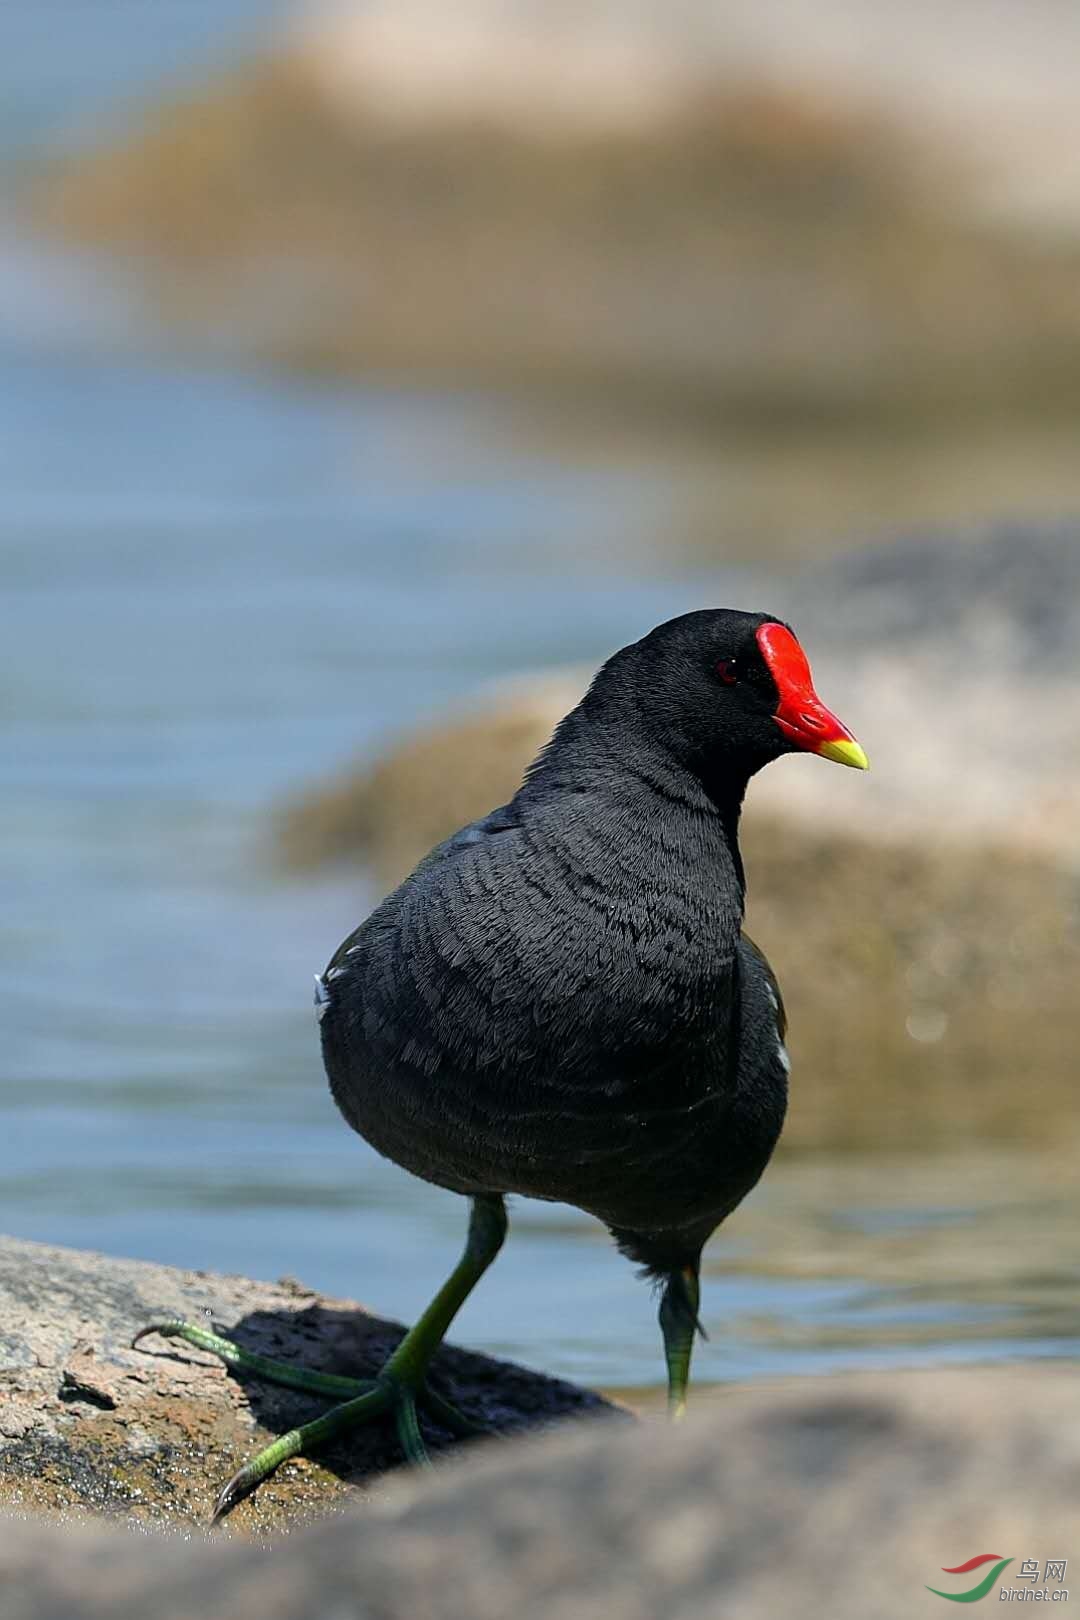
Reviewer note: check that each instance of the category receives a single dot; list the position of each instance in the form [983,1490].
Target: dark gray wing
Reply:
[521,1001]
[762,1014]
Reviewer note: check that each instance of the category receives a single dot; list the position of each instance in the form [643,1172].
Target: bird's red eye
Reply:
[728,671]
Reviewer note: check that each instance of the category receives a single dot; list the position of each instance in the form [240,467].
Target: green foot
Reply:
[361,1400]
[400,1387]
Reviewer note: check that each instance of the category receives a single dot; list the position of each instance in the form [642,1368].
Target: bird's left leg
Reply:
[399,1387]
[678,1323]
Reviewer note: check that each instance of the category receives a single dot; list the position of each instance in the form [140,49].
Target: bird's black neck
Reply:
[601,752]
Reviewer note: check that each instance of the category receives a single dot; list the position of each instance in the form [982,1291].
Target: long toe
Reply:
[264,1367]
[448,1417]
[299,1442]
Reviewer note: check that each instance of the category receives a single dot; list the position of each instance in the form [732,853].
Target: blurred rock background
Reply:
[693,209]
[380,368]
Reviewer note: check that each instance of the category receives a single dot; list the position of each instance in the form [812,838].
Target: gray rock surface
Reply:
[999,602]
[841,1497]
[88,1424]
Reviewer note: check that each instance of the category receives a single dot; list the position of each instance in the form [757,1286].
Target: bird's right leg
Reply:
[399,1387]
[679,1322]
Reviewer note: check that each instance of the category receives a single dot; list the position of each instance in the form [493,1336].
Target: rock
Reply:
[843,1497]
[737,263]
[89,1424]
[1001,599]
[612,65]
[592,68]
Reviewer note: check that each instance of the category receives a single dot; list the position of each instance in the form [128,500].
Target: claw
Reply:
[297,1442]
[224,1502]
[168,1329]
[228,1496]
[244,1481]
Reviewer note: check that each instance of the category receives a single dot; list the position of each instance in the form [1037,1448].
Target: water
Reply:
[216,588]
[75,69]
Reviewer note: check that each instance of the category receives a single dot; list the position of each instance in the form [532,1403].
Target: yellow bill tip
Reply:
[844,752]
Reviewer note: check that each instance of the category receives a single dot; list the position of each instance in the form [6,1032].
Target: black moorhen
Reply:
[560,1001]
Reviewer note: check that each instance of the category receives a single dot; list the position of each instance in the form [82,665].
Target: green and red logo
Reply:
[980,1589]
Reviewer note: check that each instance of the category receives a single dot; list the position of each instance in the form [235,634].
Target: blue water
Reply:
[215,588]
[78,69]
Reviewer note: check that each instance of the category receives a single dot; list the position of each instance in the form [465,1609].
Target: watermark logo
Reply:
[1050,1589]
[980,1589]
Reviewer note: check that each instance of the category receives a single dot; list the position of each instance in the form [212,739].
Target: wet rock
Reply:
[843,1497]
[89,1424]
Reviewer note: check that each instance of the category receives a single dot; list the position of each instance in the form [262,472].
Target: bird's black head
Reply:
[723,693]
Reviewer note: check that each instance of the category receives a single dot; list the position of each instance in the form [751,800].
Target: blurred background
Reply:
[370,372]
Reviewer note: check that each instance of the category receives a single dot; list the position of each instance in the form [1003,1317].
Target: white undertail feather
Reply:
[322,997]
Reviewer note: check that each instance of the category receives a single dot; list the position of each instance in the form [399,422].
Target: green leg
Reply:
[678,1323]
[399,1388]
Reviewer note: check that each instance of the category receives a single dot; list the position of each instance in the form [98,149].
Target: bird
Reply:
[560,1001]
